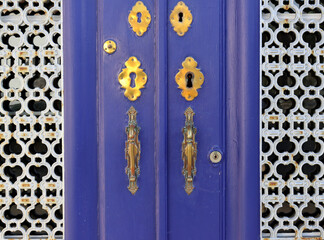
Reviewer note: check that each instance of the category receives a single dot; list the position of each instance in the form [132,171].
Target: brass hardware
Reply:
[132,67]
[189,151]
[189,79]
[139,25]
[215,157]
[110,47]
[132,151]
[181,18]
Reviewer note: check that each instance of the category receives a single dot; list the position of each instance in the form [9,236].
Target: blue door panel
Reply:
[199,215]
[125,215]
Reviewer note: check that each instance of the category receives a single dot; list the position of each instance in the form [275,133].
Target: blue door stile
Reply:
[80,120]
[161,117]
[243,62]
[100,132]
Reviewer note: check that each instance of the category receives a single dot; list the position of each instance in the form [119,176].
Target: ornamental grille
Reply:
[31,188]
[292,119]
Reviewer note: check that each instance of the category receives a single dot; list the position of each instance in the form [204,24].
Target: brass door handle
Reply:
[189,151]
[132,150]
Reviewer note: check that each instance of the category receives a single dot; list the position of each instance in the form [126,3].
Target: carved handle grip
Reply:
[132,151]
[189,151]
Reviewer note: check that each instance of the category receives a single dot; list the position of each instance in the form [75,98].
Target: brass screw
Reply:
[110,47]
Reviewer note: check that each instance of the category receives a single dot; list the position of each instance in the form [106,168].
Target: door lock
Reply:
[215,157]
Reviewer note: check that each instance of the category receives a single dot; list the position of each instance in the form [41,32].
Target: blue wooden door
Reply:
[181,121]
[126,215]
[198,214]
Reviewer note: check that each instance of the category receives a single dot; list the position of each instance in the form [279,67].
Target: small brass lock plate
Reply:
[139,18]
[110,47]
[125,80]
[181,18]
[189,79]
[215,157]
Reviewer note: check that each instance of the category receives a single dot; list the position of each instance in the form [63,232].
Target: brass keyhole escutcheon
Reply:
[181,18]
[189,79]
[139,18]
[110,46]
[139,80]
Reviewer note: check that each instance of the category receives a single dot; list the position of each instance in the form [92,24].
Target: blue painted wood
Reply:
[198,216]
[123,215]
[161,116]
[98,203]
[243,60]
[80,123]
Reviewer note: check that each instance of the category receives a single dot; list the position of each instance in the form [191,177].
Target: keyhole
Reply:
[132,77]
[180,17]
[189,78]
[139,17]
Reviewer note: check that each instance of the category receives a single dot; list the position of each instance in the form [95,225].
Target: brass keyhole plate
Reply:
[125,80]
[181,18]
[189,79]
[139,18]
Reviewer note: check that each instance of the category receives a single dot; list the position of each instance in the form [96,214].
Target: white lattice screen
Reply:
[31,164]
[292,119]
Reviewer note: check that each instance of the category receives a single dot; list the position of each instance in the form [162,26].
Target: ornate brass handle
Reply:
[189,151]
[132,151]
